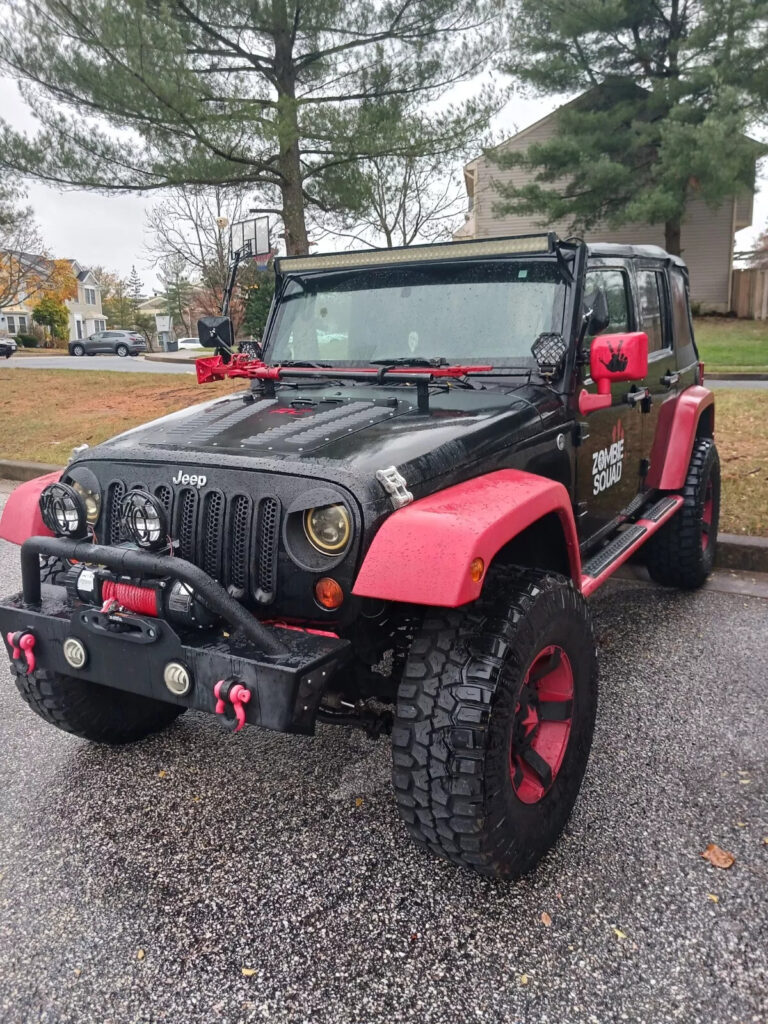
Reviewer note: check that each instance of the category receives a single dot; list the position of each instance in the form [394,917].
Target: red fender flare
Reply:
[21,516]
[423,552]
[675,433]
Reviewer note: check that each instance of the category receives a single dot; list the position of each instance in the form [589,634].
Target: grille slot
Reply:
[240,541]
[268,524]
[212,533]
[186,522]
[116,493]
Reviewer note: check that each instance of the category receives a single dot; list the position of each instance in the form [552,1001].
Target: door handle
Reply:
[670,379]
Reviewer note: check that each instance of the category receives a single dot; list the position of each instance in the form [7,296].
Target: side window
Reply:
[652,300]
[681,313]
[614,283]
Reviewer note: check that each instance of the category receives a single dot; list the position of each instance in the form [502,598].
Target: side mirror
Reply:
[216,332]
[599,317]
[612,358]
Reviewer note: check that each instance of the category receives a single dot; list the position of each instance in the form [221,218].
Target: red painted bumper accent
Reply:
[422,553]
[21,517]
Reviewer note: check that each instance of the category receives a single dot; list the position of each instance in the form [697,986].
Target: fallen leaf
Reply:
[718,857]
[619,934]
[741,824]
[161,773]
[414,936]
[358,801]
[744,782]
[195,799]
[523,979]
[249,972]
[546,920]
[78,972]
[765,840]
[711,896]
[140,954]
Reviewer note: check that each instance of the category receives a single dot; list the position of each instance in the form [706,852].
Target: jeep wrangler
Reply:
[396,524]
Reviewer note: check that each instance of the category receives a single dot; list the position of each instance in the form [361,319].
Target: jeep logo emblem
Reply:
[191,479]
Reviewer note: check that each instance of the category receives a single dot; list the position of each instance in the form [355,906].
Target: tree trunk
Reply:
[296,241]
[672,236]
[289,160]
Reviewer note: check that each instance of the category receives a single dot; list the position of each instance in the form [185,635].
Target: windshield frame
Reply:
[564,266]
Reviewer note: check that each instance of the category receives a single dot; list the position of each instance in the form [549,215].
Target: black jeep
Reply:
[444,450]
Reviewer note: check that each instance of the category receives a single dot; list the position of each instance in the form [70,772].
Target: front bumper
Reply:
[286,671]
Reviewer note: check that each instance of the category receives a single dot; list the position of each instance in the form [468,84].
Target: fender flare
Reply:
[675,434]
[21,516]
[422,553]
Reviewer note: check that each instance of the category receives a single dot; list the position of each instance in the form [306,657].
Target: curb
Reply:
[23,471]
[733,376]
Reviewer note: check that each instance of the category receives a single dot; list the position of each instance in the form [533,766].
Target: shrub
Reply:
[27,340]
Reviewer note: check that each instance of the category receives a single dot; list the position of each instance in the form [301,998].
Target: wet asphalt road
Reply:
[137,884]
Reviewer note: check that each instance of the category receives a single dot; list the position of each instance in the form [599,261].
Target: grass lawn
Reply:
[732,345]
[69,407]
[45,413]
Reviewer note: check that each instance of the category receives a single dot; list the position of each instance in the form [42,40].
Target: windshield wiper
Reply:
[304,363]
[410,361]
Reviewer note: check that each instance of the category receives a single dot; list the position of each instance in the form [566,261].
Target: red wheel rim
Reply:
[541,727]
[707,514]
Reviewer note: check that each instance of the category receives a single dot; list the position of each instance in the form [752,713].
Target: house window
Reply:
[79,328]
[90,296]
[99,325]
[11,320]
[22,325]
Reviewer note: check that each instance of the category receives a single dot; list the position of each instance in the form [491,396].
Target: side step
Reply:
[605,563]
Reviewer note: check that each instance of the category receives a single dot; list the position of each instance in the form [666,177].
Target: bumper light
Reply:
[177,678]
[328,593]
[75,652]
[144,520]
[63,511]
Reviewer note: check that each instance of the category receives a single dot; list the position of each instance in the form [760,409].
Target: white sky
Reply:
[111,230]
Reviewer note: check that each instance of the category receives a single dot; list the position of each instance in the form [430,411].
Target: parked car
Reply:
[190,343]
[418,525]
[7,347]
[116,343]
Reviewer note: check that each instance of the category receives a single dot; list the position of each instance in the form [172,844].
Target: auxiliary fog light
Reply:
[144,519]
[177,678]
[75,652]
[63,511]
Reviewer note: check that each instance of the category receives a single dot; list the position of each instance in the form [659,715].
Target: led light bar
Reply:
[544,243]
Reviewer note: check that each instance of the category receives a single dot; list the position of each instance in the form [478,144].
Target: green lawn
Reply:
[732,345]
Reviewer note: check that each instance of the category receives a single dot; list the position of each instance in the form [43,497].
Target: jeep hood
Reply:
[339,432]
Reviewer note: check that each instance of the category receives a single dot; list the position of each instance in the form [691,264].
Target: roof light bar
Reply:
[543,243]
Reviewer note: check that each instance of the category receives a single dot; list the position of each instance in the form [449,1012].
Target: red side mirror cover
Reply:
[619,356]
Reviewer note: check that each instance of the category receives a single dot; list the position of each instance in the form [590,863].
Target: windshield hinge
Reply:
[395,484]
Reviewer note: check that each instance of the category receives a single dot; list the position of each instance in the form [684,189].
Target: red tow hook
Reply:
[22,645]
[230,693]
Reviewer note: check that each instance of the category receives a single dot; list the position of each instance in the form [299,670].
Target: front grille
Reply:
[232,538]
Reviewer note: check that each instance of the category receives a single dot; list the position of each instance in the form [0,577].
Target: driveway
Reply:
[204,877]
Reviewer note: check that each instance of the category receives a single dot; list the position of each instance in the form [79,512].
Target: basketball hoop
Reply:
[250,238]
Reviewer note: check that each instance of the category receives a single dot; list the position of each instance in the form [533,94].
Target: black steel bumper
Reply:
[286,671]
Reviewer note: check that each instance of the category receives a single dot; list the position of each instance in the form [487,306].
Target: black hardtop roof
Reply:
[653,252]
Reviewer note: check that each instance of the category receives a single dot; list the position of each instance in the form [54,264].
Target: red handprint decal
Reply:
[618,360]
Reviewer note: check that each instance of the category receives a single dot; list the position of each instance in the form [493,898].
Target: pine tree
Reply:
[135,297]
[284,97]
[671,89]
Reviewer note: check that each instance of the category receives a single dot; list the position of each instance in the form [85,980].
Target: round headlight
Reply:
[63,510]
[328,529]
[143,519]
[87,486]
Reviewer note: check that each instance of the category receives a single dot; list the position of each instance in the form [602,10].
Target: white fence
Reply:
[749,294]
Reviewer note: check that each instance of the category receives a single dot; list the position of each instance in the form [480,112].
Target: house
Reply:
[706,239]
[85,312]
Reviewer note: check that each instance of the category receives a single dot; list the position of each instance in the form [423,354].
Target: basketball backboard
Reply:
[251,235]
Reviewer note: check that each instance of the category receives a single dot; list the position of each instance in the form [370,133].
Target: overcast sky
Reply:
[111,230]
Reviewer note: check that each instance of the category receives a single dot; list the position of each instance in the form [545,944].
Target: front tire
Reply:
[96,713]
[495,716]
[122,351]
[682,553]
[78,350]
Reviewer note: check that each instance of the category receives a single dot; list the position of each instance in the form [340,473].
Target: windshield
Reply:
[489,312]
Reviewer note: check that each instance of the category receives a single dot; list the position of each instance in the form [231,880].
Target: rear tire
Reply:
[122,351]
[94,712]
[468,723]
[682,553]
[78,350]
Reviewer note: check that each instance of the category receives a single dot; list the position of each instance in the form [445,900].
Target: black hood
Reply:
[340,432]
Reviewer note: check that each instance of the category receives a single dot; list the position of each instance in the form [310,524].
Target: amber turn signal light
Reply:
[328,593]
[476,569]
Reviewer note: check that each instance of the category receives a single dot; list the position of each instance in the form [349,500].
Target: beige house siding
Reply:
[706,238]
[85,317]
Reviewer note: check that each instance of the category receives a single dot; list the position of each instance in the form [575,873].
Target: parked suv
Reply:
[396,524]
[119,343]
[8,346]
